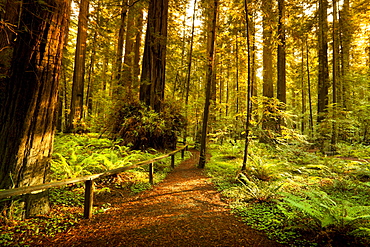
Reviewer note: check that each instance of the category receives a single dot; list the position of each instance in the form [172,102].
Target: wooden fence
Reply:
[89,181]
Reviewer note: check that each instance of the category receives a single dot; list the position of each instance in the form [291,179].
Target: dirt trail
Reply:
[183,210]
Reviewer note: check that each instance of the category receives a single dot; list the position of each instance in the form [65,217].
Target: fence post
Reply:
[151,171]
[173,161]
[89,198]
[182,153]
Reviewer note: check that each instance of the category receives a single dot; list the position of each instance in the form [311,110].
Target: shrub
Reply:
[140,127]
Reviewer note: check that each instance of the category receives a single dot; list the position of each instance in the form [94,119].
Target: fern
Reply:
[324,216]
[259,191]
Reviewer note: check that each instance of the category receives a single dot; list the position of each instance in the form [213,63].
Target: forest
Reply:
[274,95]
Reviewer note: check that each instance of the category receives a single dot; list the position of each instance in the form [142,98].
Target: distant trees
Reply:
[298,55]
[32,52]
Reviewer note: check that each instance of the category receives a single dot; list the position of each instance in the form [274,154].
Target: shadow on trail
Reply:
[183,210]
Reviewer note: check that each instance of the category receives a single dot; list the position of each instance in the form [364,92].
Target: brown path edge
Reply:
[183,210]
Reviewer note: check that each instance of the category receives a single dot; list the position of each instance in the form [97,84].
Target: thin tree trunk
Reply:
[309,86]
[335,74]
[303,91]
[249,90]
[139,23]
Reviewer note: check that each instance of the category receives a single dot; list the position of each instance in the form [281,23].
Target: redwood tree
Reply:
[77,102]
[30,88]
[154,58]
[323,74]
[210,78]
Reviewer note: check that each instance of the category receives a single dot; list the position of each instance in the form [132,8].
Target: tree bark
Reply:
[28,118]
[209,78]
[118,87]
[77,99]
[281,54]
[323,76]
[154,58]
[139,23]
[346,32]
[249,89]
[268,84]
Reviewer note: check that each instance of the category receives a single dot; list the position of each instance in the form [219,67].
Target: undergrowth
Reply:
[75,156]
[296,197]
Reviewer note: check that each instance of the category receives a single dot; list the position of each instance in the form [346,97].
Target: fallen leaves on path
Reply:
[183,210]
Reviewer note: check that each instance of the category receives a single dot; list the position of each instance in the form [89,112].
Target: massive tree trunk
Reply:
[210,78]
[27,115]
[77,102]
[154,58]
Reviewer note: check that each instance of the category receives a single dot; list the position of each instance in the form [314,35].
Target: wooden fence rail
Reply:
[89,180]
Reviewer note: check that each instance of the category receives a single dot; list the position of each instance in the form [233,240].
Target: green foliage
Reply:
[315,200]
[76,155]
[360,151]
[21,233]
[267,217]
[141,128]
[71,196]
[255,191]
[323,216]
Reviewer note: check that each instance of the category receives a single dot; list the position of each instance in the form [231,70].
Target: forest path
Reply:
[183,210]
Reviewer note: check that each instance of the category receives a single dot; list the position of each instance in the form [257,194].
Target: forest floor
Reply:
[183,210]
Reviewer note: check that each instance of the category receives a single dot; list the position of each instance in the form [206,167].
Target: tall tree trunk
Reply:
[268,123]
[209,78]
[237,74]
[303,91]
[139,23]
[77,99]
[249,90]
[119,53]
[128,61]
[28,116]
[268,83]
[281,56]
[309,86]
[154,58]
[345,41]
[335,72]
[323,76]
